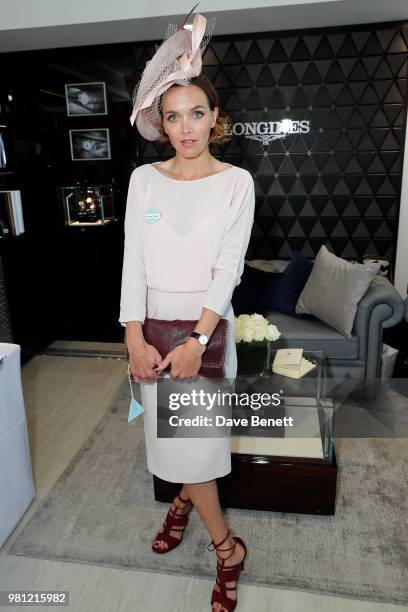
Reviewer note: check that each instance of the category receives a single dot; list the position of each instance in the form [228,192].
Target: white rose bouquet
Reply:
[254,327]
[253,334]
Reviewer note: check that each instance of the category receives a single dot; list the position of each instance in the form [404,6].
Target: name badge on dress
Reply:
[152,215]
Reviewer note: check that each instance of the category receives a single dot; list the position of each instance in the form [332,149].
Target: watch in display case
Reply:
[88,205]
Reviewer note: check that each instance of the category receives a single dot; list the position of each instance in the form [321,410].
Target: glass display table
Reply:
[302,400]
[291,468]
[283,457]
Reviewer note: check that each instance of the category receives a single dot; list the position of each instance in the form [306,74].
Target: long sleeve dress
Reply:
[185,245]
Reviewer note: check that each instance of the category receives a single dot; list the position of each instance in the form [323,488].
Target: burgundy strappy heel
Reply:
[173,522]
[226,574]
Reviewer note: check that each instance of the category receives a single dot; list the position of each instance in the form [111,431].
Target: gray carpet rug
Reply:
[102,511]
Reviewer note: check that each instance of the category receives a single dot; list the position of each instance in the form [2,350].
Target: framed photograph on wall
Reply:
[92,144]
[86,99]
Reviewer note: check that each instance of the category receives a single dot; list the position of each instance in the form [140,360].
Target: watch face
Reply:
[203,339]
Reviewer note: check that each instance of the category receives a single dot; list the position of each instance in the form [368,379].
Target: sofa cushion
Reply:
[291,283]
[254,292]
[334,288]
[311,334]
[268,265]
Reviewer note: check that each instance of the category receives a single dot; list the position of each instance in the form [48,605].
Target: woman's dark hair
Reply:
[218,134]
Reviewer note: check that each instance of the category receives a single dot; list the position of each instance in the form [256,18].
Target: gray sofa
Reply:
[358,357]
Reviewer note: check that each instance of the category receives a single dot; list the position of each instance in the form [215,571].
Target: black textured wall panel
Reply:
[339,184]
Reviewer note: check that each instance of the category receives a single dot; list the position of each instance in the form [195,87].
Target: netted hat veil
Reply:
[177,60]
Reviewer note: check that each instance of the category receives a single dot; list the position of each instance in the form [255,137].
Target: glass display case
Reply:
[303,399]
[282,442]
[88,205]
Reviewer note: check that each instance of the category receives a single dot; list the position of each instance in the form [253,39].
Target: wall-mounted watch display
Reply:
[11,214]
[88,204]
[86,99]
[90,144]
[3,148]
[6,140]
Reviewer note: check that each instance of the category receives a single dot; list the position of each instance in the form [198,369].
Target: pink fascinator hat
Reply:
[177,60]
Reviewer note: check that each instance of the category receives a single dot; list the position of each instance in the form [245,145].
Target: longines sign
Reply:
[266,131]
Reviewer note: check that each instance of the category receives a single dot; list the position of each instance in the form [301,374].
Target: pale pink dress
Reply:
[193,256]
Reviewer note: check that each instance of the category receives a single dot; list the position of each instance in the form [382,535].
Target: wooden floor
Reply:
[65,398]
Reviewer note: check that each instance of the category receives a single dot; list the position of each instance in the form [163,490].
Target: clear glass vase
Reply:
[252,357]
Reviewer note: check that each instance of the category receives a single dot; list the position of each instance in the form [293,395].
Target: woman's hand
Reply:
[142,359]
[185,360]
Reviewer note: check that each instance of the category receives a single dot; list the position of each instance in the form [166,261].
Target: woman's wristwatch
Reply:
[203,340]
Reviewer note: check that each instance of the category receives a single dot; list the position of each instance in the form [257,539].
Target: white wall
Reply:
[401,266]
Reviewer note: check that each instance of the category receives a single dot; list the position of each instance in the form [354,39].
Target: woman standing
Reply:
[187,228]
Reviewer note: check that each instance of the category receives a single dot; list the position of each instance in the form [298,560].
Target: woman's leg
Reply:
[180,508]
[204,496]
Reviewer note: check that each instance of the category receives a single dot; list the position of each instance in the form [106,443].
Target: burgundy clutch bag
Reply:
[166,335]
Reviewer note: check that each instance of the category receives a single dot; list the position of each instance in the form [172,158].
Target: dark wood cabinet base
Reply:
[281,484]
